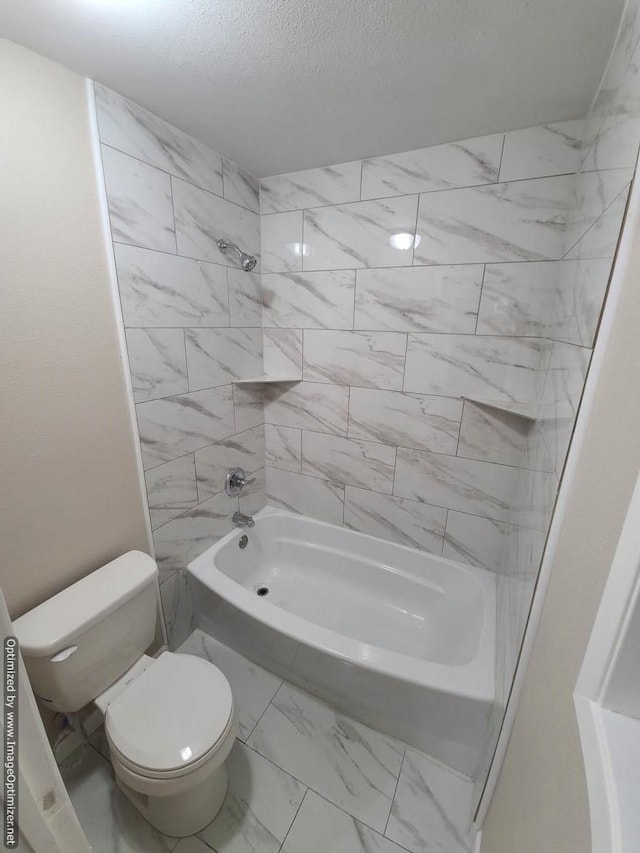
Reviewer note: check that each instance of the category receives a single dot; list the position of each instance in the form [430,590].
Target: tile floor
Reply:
[303,778]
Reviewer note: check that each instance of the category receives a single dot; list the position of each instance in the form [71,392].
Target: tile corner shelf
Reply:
[520,410]
[264,379]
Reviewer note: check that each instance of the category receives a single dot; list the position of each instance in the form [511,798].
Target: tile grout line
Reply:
[304,797]
[395,791]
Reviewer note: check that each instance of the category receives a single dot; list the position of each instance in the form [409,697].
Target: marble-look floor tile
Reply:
[192,844]
[350,461]
[132,129]
[171,489]
[313,300]
[371,359]
[308,405]
[517,299]
[410,523]
[240,186]
[479,488]
[350,236]
[419,299]
[164,290]
[245,298]
[177,425]
[321,827]
[517,221]
[349,764]
[178,610]
[500,369]
[306,495]
[432,808]
[440,167]
[538,152]
[139,200]
[311,188]
[242,450]
[248,406]
[219,356]
[253,688]
[203,218]
[186,537]
[283,447]
[259,808]
[157,363]
[410,420]
[109,821]
[282,247]
[477,541]
[282,352]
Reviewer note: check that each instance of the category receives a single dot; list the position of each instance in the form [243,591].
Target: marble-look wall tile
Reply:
[179,616]
[177,425]
[248,406]
[310,496]
[517,299]
[538,152]
[218,356]
[132,129]
[240,186]
[181,540]
[601,239]
[158,363]
[578,300]
[283,447]
[308,405]
[253,496]
[282,352]
[350,236]
[501,369]
[281,238]
[419,299]
[165,290]
[411,523]
[171,489]
[245,298]
[351,461]
[372,359]
[478,488]
[410,420]
[139,200]
[475,540]
[516,221]
[311,188]
[491,435]
[455,164]
[242,450]
[203,218]
[594,193]
[313,300]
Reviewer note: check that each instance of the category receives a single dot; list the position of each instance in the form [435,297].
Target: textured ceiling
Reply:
[280,85]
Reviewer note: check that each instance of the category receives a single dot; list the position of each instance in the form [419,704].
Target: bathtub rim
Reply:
[473,680]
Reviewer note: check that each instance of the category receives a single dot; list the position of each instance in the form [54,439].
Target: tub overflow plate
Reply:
[243,541]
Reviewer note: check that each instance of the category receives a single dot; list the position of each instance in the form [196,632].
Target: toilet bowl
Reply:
[170,729]
[170,721]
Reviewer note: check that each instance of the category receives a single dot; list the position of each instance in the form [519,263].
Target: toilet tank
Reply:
[79,642]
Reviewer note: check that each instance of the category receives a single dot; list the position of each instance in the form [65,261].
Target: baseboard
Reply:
[478,842]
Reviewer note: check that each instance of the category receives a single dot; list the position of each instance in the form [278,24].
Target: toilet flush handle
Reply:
[64,654]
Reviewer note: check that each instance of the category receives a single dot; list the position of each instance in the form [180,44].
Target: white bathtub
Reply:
[399,639]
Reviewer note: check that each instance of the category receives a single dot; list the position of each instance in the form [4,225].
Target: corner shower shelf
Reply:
[253,380]
[521,410]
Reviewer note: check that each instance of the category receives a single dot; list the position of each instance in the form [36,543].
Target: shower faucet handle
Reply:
[236,480]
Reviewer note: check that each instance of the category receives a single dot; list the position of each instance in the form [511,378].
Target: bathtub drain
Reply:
[263,590]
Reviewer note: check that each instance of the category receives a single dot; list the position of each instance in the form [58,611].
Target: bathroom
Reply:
[318,345]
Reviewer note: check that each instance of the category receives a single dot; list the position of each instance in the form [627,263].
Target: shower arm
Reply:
[247,262]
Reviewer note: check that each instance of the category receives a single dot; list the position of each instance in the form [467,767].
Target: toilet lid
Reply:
[172,714]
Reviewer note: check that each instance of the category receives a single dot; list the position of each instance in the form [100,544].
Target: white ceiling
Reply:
[280,85]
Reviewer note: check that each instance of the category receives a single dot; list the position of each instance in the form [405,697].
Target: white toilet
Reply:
[170,721]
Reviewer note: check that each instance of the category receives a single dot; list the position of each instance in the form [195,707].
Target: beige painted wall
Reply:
[540,803]
[70,498]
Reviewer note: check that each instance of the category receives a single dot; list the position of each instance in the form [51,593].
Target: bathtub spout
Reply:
[242,520]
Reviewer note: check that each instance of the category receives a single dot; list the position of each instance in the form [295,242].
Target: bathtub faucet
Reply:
[242,520]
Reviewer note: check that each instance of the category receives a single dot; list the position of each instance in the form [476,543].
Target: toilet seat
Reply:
[172,718]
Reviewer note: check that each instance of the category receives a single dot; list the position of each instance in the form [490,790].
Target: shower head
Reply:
[247,262]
